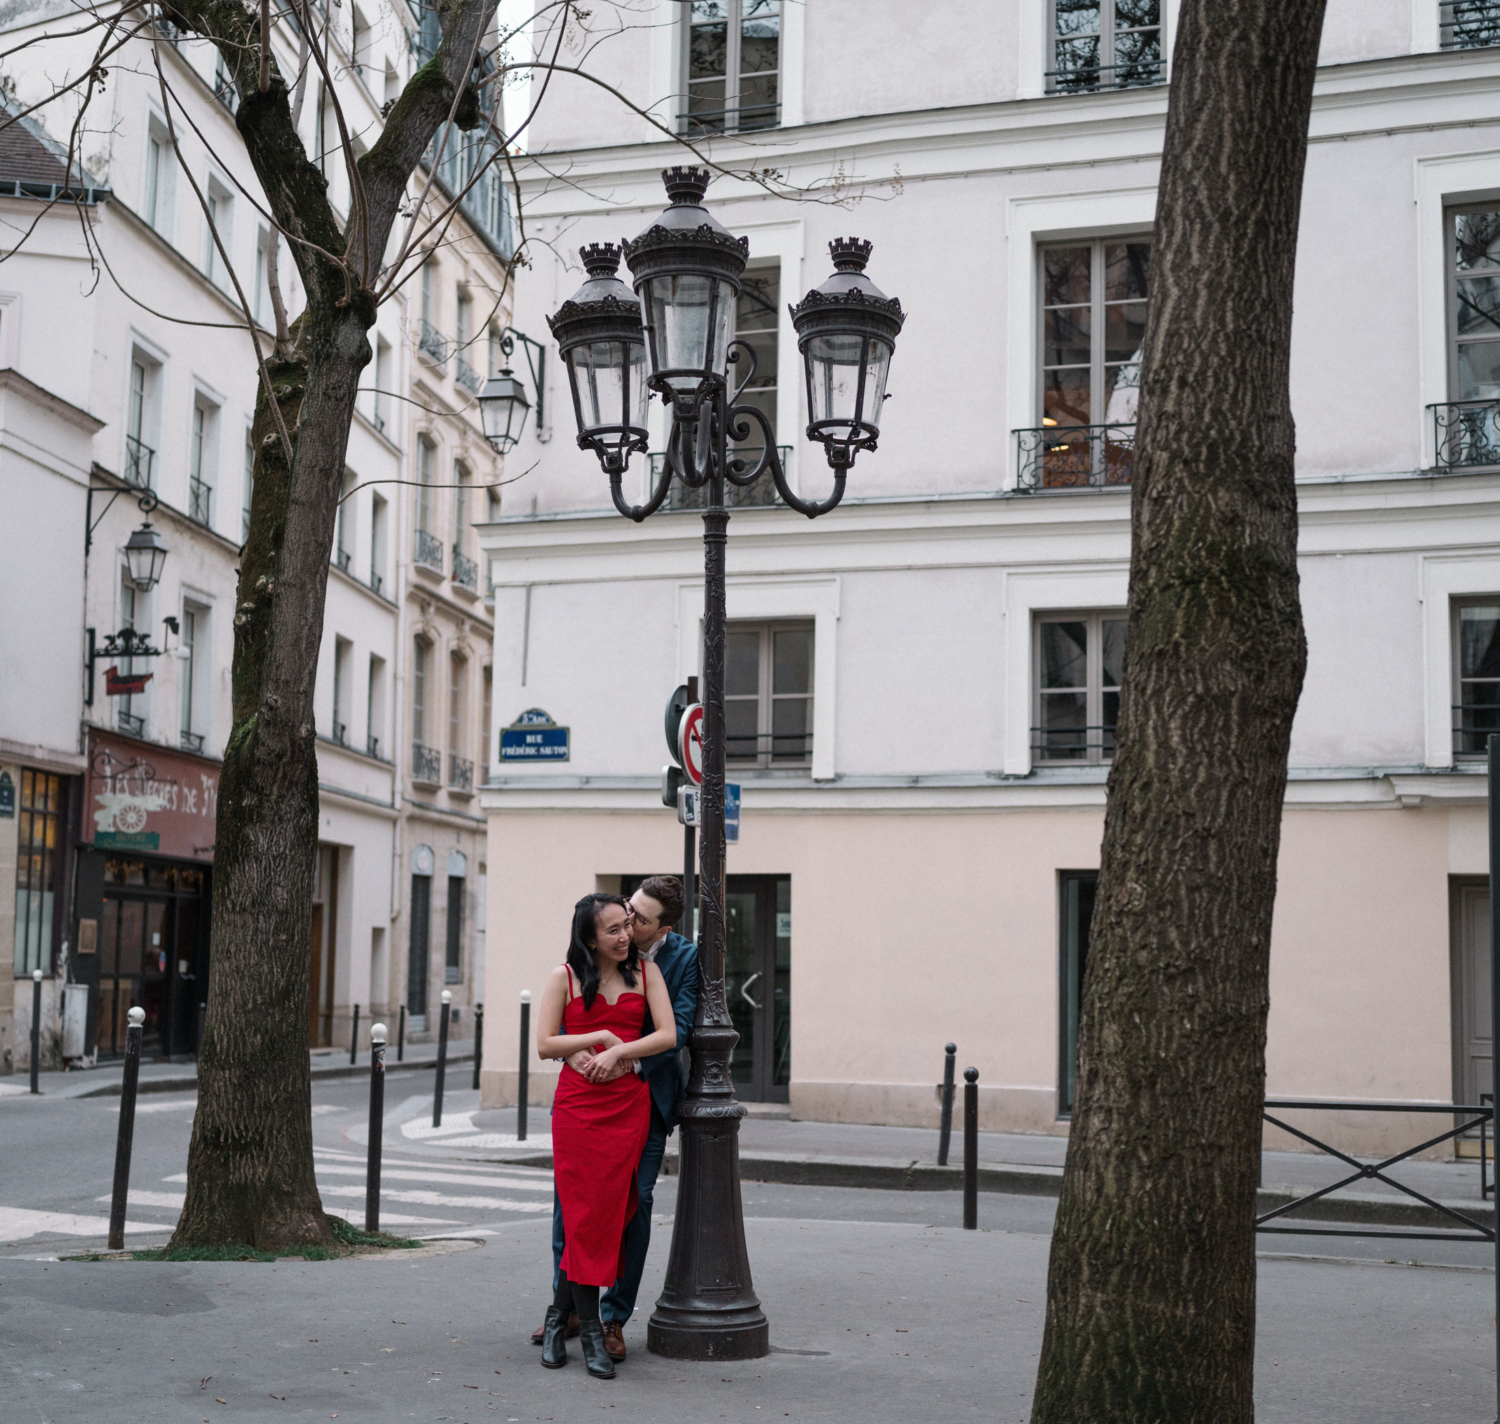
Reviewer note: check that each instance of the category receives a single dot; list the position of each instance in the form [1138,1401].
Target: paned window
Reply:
[418,949]
[249,486]
[456,669]
[424,486]
[201,464]
[1476,711]
[1475,303]
[130,707]
[1469,24]
[733,57]
[36,870]
[1105,44]
[453,960]
[1080,660]
[343,554]
[153,204]
[1076,888]
[191,702]
[768,694]
[421,654]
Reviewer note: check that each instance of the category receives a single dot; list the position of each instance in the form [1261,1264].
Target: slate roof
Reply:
[34,165]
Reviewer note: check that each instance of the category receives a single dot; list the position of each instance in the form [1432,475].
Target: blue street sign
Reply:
[534,736]
[731,812]
[689,808]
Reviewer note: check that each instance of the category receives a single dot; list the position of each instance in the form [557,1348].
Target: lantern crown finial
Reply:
[600,259]
[849,253]
[685,186]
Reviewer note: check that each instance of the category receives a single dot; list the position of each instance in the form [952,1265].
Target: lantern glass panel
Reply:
[835,364]
[608,380]
[690,317]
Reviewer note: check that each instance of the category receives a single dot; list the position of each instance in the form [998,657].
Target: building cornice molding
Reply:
[12,380]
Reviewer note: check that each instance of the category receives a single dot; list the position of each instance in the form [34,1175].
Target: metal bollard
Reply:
[401,1036]
[478,1042]
[126,1137]
[523,1089]
[945,1125]
[971,1149]
[442,1061]
[36,1028]
[377,1126]
[354,1038]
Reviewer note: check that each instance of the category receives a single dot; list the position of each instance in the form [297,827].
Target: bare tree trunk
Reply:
[1151,1287]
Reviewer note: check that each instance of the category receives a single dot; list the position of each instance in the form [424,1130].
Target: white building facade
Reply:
[923,684]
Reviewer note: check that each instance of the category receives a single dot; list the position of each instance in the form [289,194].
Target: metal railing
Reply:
[428,551]
[376,582]
[460,773]
[1375,1171]
[1073,746]
[465,571]
[190,741]
[762,494]
[741,119]
[1468,24]
[770,748]
[1466,434]
[130,724]
[432,343]
[200,501]
[372,747]
[468,377]
[224,90]
[340,733]
[1054,457]
[1473,725]
[426,764]
[342,558]
[138,458]
[1091,78]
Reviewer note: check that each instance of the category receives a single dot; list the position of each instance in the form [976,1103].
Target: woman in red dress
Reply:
[597,1002]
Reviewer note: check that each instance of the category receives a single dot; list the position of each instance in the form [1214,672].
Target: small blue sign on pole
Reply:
[534,736]
[690,808]
[731,811]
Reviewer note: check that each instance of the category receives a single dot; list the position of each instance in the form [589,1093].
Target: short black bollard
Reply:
[202,1015]
[478,1042]
[377,1126]
[36,1028]
[401,1036]
[523,1084]
[442,1061]
[971,1149]
[354,1038]
[945,1125]
[126,1137]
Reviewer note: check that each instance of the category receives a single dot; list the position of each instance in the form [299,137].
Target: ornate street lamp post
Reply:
[674,337]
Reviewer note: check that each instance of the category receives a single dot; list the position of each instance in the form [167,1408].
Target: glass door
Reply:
[132,970]
[758,983]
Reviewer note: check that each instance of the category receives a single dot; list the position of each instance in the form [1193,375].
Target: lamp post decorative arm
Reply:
[536,364]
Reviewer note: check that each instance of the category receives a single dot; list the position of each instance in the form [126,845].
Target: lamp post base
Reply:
[708,1308]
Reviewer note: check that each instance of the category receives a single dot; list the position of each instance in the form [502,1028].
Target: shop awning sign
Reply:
[534,737]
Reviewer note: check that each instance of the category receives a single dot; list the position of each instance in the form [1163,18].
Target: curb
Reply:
[190,1080]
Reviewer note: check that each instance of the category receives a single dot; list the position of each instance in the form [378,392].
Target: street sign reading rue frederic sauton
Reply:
[534,736]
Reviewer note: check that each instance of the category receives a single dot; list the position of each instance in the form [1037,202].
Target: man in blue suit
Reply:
[654,909]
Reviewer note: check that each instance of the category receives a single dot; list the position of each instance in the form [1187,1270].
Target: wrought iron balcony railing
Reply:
[769,748]
[138,458]
[1074,456]
[465,571]
[468,377]
[742,119]
[433,344]
[428,551]
[1466,434]
[1090,78]
[372,747]
[460,774]
[376,582]
[342,558]
[1072,746]
[1468,24]
[1473,723]
[341,733]
[762,493]
[130,724]
[200,501]
[191,741]
[426,765]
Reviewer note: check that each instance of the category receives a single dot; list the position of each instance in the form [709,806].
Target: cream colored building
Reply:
[917,857]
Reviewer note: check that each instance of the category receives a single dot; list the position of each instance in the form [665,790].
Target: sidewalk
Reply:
[105,1080]
[905,1158]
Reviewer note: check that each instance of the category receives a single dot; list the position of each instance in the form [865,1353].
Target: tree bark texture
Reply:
[250,1166]
[1151,1285]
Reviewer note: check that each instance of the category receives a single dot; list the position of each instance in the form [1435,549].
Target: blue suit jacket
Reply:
[678,961]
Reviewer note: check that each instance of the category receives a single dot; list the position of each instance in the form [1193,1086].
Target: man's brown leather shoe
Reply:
[572,1331]
[614,1340]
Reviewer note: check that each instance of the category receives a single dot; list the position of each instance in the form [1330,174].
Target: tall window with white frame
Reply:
[1467,428]
[248,486]
[193,670]
[343,651]
[768,694]
[453,949]
[1468,24]
[375,706]
[1104,44]
[1476,666]
[130,709]
[201,462]
[429,549]
[487,712]
[460,767]
[39,843]
[139,412]
[377,542]
[1092,329]
[426,761]
[1079,663]
[156,189]
[465,569]
[732,63]
[343,553]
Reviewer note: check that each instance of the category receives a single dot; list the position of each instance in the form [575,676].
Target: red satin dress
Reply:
[598,1134]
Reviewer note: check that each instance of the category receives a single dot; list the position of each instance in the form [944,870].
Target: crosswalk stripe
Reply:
[420,1198]
[405,1174]
[172,1200]
[17,1223]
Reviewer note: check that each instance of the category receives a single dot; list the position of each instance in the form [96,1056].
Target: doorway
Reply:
[1473,1039]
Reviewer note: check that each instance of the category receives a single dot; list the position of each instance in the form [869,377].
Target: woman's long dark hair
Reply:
[581,958]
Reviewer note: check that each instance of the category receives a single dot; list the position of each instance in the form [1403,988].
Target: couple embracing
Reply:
[617,1012]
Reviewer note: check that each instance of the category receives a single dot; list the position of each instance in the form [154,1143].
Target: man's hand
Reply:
[580,1060]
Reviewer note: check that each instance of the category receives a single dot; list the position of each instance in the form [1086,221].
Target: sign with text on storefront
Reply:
[152,799]
[534,736]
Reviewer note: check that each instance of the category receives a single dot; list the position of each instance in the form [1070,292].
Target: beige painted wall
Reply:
[911,930]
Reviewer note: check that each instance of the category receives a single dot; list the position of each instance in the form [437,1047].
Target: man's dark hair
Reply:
[666,890]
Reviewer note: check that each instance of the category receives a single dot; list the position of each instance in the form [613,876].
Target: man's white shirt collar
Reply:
[651,953]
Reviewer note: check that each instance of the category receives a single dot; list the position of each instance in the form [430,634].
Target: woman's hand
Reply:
[606,1065]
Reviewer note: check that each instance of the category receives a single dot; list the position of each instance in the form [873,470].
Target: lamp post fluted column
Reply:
[673,336]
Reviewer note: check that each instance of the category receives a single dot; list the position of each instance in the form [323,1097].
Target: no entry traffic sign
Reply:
[690,743]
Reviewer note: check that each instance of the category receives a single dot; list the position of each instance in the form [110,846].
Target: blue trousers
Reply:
[618,1302]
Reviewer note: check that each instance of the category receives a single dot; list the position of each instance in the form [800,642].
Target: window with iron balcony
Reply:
[1468,24]
[1104,44]
[1079,663]
[1466,428]
[732,63]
